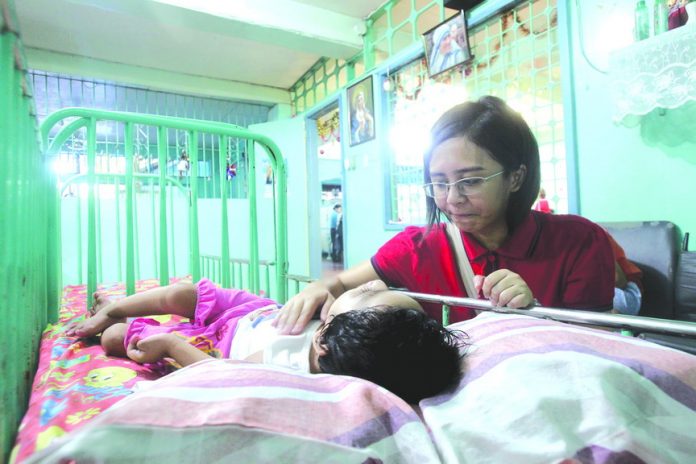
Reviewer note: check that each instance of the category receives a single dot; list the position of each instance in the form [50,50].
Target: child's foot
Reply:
[100,302]
[97,322]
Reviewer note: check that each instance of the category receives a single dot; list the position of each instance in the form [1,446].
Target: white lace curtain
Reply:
[655,75]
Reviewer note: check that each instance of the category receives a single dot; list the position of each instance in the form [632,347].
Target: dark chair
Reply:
[654,247]
[669,275]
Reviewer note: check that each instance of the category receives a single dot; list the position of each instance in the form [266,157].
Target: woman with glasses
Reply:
[482,175]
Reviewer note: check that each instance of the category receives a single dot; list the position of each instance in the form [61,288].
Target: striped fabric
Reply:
[542,391]
[228,411]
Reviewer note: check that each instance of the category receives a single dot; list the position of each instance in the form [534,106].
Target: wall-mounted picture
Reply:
[361,105]
[447,45]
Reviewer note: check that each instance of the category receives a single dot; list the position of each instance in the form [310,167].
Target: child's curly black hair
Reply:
[402,349]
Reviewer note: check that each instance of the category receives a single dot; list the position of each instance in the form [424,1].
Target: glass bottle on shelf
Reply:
[660,14]
[641,27]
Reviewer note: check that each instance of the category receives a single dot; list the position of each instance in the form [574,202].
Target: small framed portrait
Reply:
[447,45]
[361,106]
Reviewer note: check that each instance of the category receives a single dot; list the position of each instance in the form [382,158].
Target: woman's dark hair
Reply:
[402,349]
[495,127]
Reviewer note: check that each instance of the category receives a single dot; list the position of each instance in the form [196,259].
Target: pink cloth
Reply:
[217,312]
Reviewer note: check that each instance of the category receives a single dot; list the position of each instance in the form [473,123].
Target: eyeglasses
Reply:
[466,186]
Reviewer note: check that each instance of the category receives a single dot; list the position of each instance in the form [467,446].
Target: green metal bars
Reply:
[24,189]
[106,176]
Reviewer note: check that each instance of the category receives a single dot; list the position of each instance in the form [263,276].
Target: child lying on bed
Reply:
[370,332]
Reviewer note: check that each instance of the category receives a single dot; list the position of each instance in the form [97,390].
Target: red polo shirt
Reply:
[565,260]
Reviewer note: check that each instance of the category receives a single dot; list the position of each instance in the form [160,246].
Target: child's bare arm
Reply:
[156,347]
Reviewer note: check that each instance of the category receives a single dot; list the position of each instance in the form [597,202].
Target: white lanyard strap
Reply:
[461,260]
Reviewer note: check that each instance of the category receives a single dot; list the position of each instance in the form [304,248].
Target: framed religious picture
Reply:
[447,45]
[361,106]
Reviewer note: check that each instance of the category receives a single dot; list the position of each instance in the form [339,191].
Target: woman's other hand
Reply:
[504,288]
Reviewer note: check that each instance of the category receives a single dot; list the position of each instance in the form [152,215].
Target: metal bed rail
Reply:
[575,316]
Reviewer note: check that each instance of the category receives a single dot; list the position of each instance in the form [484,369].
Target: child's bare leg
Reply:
[112,340]
[179,299]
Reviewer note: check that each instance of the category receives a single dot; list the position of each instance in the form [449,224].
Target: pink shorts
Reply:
[215,319]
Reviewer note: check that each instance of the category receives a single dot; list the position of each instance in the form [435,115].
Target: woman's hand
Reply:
[504,288]
[299,310]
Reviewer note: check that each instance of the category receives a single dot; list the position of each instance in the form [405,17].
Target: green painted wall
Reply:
[647,172]
[27,262]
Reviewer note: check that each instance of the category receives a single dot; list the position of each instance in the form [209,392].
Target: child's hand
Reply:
[151,349]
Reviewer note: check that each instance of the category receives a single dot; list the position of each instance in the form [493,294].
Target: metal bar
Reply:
[97,205]
[162,163]
[172,234]
[280,222]
[576,316]
[91,212]
[78,236]
[253,220]
[117,212]
[152,217]
[225,239]
[194,245]
[103,176]
[130,225]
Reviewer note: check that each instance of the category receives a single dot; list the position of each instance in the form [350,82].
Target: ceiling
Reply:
[253,44]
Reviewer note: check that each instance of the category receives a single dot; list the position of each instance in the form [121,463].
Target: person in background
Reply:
[230,170]
[335,227]
[370,332]
[542,204]
[482,175]
[183,165]
[628,290]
